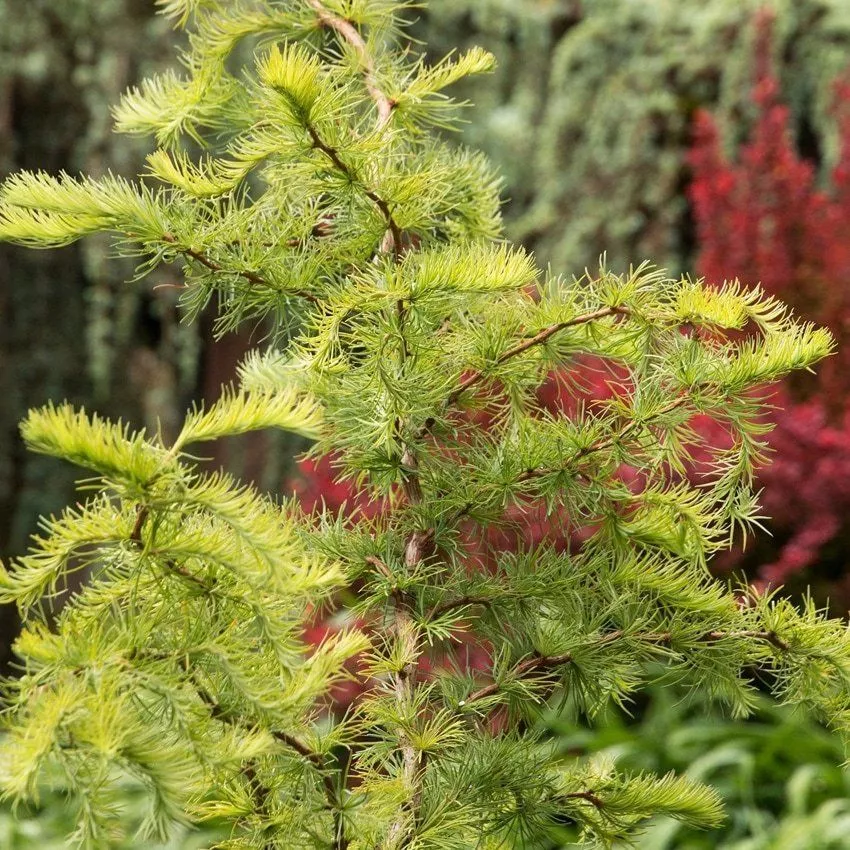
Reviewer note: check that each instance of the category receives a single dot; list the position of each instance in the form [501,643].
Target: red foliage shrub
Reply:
[762,217]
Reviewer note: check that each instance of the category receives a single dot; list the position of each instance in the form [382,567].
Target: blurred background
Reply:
[710,136]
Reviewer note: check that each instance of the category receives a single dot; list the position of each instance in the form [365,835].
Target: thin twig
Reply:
[454,604]
[142,513]
[333,155]
[251,277]
[380,566]
[189,576]
[537,339]
[585,795]
[767,636]
[601,445]
[349,33]
[401,598]
[331,790]
[548,662]
[316,759]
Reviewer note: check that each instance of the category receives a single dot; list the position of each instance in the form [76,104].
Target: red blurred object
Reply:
[762,217]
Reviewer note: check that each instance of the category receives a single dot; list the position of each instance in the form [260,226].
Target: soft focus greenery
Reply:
[589,113]
[778,773]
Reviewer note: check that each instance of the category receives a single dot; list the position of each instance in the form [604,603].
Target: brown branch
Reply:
[537,339]
[316,759]
[302,749]
[464,601]
[525,668]
[547,662]
[601,445]
[349,33]
[250,276]
[142,513]
[767,636]
[585,795]
[188,575]
[401,598]
[380,566]
[333,155]
[331,790]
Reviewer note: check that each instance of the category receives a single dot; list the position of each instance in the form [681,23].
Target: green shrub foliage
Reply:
[309,191]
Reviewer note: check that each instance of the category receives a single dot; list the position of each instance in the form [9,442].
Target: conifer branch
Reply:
[539,663]
[601,445]
[767,636]
[188,575]
[347,31]
[591,798]
[251,277]
[538,339]
[332,792]
[404,681]
[302,749]
[333,804]
[142,513]
[383,207]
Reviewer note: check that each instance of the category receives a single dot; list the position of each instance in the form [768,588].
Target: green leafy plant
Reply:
[307,192]
[777,772]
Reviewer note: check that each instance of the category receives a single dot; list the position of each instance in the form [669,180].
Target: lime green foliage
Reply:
[183,652]
[589,114]
[323,204]
[777,773]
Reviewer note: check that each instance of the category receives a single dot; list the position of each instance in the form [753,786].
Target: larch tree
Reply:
[307,192]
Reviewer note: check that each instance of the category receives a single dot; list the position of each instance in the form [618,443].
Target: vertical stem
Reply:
[404,681]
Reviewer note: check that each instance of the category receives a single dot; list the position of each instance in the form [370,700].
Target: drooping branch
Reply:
[601,445]
[591,798]
[538,339]
[454,604]
[383,207]
[142,513]
[333,804]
